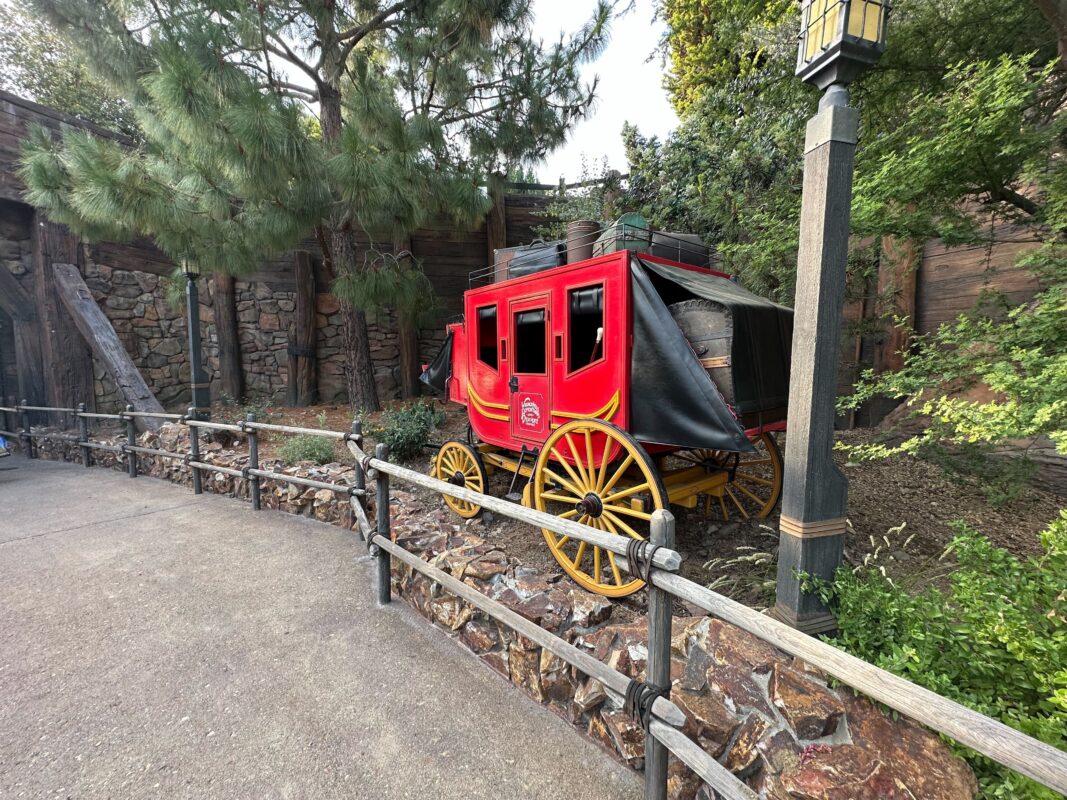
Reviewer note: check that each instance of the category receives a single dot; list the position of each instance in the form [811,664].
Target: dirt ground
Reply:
[903,499]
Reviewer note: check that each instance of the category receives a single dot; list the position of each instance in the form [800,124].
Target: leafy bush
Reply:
[407,429]
[994,639]
[304,447]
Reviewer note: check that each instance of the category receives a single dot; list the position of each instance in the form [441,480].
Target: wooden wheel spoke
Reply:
[602,473]
[754,462]
[753,478]
[615,569]
[754,498]
[579,556]
[566,484]
[722,507]
[628,511]
[585,482]
[741,508]
[614,521]
[568,514]
[640,487]
[559,498]
[589,458]
[618,474]
[578,482]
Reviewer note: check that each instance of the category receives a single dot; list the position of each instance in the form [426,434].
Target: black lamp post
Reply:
[201,397]
[839,39]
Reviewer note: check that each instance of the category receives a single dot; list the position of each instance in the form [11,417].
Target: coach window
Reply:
[487,336]
[530,342]
[586,309]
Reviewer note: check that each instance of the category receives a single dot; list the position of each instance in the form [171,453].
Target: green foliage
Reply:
[305,447]
[35,63]
[406,429]
[994,639]
[595,198]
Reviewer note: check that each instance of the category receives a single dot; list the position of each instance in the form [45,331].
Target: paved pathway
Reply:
[155,644]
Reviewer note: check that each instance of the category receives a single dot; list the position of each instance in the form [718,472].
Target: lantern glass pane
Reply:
[864,19]
[822,22]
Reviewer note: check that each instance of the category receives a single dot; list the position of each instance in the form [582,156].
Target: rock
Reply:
[925,763]
[743,757]
[498,661]
[487,566]
[480,635]
[810,709]
[844,772]
[728,644]
[547,609]
[707,720]
[627,737]
[737,687]
[451,612]
[590,695]
[525,666]
[588,609]
[780,752]
[682,782]
[556,680]
[694,677]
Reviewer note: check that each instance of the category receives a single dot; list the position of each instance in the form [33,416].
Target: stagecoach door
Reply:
[527,366]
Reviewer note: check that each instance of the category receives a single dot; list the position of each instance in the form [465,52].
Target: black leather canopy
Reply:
[436,375]
[672,399]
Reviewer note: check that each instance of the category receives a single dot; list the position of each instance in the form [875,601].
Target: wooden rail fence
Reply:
[662,718]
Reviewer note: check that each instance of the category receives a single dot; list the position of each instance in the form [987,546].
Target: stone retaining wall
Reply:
[773,720]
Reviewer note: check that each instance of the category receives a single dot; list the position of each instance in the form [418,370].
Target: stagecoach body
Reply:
[614,386]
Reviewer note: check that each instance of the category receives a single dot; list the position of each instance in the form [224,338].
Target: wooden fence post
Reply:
[381,452]
[361,478]
[194,452]
[131,441]
[659,657]
[83,435]
[24,431]
[253,461]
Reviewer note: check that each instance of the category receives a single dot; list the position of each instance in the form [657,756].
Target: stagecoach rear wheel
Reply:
[755,483]
[461,465]
[573,479]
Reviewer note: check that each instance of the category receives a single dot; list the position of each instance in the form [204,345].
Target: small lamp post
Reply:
[201,398]
[839,39]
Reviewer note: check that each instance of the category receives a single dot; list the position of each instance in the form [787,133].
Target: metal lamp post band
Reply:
[808,530]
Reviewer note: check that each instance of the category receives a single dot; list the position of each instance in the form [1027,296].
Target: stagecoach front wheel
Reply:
[461,465]
[596,474]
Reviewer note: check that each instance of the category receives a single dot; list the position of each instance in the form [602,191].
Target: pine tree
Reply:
[263,122]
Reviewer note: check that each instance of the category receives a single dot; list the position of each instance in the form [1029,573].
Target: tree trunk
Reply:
[359,369]
[302,367]
[407,331]
[225,307]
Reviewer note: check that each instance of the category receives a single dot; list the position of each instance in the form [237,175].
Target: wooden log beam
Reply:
[303,387]
[29,368]
[496,228]
[66,359]
[224,304]
[101,337]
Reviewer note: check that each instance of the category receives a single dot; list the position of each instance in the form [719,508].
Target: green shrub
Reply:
[407,429]
[304,447]
[994,639]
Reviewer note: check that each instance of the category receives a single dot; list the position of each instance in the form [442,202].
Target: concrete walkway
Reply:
[156,644]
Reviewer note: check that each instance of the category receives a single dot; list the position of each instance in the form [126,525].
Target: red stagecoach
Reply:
[613,386]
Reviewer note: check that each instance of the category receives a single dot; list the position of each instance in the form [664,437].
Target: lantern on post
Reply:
[839,40]
[201,397]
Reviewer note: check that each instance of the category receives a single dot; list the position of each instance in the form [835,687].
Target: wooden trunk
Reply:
[225,307]
[18,305]
[302,371]
[68,363]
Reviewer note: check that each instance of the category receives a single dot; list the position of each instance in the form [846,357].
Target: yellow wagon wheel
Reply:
[756,484]
[461,465]
[573,479]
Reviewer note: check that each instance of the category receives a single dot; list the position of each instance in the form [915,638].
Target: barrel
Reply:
[580,237]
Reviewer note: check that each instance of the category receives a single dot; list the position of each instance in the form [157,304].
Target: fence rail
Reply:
[660,717]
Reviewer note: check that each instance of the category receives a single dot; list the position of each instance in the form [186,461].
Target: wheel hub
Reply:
[457,479]
[590,506]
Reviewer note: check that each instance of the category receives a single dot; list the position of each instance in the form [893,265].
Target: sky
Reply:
[631,86]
